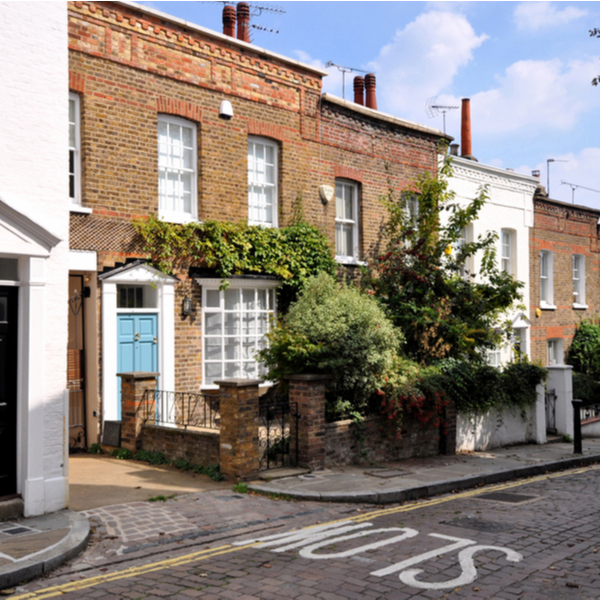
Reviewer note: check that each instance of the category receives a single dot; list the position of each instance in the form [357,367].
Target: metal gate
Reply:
[551,411]
[76,366]
[275,449]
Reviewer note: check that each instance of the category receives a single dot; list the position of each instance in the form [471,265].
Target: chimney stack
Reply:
[359,90]
[453,149]
[370,85]
[465,130]
[243,19]
[229,20]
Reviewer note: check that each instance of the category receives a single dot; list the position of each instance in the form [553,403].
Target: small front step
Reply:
[11,508]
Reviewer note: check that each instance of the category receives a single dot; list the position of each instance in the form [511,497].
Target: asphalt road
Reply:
[532,539]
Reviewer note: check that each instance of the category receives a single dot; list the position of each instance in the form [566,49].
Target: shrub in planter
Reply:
[337,330]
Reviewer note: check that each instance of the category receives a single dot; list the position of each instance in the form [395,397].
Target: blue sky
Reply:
[527,67]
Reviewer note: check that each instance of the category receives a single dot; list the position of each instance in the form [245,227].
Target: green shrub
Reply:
[95,449]
[122,453]
[337,330]
[584,353]
[586,388]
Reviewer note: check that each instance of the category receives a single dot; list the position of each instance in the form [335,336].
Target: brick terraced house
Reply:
[564,266]
[174,120]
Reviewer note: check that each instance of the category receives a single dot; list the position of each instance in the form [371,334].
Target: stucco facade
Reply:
[508,212]
[34,250]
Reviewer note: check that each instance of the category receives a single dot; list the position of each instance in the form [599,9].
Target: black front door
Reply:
[8,390]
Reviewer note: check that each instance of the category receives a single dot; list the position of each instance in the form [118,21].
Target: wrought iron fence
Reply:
[551,411]
[274,432]
[181,409]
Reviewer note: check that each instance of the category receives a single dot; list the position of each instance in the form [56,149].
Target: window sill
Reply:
[179,218]
[580,306]
[77,208]
[544,306]
[351,262]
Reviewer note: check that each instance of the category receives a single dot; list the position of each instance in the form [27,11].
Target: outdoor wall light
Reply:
[226,110]
[186,308]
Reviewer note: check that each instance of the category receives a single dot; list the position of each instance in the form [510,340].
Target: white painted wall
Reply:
[34,180]
[510,206]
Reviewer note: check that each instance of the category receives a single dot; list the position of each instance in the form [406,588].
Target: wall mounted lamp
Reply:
[186,307]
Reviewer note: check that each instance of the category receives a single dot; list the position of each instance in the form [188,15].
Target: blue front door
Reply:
[137,341]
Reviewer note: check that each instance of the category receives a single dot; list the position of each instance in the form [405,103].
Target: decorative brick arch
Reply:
[179,108]
[76,82]
[264,129]
[343,172]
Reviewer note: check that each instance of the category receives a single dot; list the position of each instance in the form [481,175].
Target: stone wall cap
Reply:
[559,367]
[139,375]
[308,377]
[239,382]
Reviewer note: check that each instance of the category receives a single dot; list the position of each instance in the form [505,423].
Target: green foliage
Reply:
[154,458]
[291,253]
[160,498]
[95,449]
[212,471]
[336,330]
[240,488]
[478,388]
[585,388]
[122,453]
[584,353]
[421,280]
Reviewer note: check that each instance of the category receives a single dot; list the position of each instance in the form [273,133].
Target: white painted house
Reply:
[34,218]
[509,213]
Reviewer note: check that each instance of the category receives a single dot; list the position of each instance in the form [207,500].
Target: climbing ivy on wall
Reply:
[291,253]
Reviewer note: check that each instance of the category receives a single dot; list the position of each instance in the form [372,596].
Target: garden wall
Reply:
[345,444]
[200,447]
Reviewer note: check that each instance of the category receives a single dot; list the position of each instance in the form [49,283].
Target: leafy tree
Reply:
[421,280]
[584,353]
[337,330]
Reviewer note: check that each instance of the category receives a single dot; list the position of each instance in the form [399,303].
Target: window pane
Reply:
[187,137]
[213,298]
[232,299]
[212,372]
[212,349]
[249,370]
[232,323]
[9,269]
[349,207]
[248,348]
[232,370]
[348,242]
[248,300]
[339,204]
[232,348]
[213,323]
[249,324]
[262,299]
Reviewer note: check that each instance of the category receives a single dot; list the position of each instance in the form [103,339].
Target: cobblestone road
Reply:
[535,539]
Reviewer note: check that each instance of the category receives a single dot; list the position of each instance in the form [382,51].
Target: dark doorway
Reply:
[8,389]
[76,365]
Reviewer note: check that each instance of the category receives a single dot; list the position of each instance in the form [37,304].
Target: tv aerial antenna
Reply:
[432,108]
[344,70]
[574,186]
[256,10]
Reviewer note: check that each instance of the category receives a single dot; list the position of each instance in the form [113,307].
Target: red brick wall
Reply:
[197,447]
[564,230]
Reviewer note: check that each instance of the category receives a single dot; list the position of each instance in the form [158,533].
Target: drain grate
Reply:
[17,530]
[507,497]
[478,524]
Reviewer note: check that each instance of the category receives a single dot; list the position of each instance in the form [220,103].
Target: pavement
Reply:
[110,502]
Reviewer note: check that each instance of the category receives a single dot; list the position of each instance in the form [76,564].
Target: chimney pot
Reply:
[465,130]
[229,20]
[453,149]
[243,18]
[371,96]
[359,90]
[535,173]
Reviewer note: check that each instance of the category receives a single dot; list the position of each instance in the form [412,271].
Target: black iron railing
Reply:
[181,409]
[590,413]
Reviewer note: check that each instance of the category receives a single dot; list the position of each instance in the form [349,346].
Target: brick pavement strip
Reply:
[457,546]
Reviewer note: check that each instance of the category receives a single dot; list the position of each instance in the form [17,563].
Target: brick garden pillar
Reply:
[238,406]
[133,409]
[309,392]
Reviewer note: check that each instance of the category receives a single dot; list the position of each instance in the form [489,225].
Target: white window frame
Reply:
[258,186]
[75,150]
[342,221]
[579,282]
[268,314]
[179,215]
[507,253]
[466,268]
[555,352]
[547,280]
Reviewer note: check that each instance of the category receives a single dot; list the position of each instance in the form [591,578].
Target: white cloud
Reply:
[536,96]
[580,169]
[422,59]
[532,16]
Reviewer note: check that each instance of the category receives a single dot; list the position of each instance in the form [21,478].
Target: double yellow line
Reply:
[185,559]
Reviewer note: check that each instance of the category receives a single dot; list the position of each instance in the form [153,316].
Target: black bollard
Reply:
[577,426]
